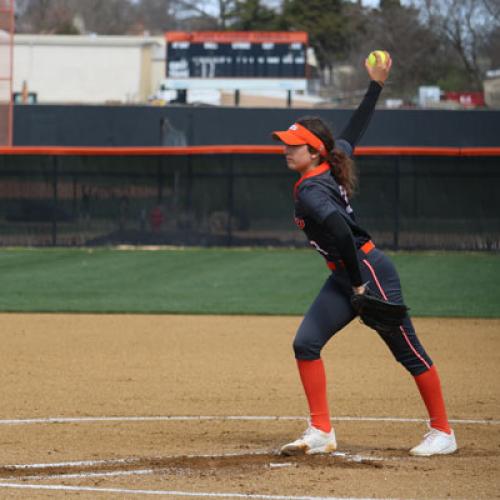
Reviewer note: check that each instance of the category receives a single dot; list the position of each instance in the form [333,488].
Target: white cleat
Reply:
[435,443]
[312,442]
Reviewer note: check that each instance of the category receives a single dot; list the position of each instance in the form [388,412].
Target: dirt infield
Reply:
[185,406]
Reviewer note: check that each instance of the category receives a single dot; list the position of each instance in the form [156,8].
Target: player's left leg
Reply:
[408,350]
[440,440]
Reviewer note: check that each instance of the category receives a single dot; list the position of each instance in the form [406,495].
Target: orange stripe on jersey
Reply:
[320,169]
[367,247]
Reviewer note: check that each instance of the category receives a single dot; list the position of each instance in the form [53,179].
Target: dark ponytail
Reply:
[341,166]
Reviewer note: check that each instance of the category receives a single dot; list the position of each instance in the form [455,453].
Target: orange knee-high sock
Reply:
[429,386]
[312,375]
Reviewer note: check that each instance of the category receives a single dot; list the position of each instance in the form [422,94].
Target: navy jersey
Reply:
[318,195]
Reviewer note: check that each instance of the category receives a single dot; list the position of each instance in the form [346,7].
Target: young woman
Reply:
[322,210]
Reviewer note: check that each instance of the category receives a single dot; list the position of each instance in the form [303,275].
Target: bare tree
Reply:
[493,8]
[110,17]
[418,57]
[467,26]
[216,13]
[115,17]
[44,16]
[59,16]
[157,16]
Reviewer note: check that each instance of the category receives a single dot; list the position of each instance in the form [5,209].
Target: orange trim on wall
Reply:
[236,149]
[407,151]
[138,151]
[177,36]
[479,151]
[237,36]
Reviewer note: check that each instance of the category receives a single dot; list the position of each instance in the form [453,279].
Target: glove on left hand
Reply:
[381,315]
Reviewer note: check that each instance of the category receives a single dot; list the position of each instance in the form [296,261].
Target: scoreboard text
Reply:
[236,55]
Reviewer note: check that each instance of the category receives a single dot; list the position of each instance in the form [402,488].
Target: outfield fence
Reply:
[409,198]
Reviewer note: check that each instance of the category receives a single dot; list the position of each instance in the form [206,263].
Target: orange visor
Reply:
[297,135]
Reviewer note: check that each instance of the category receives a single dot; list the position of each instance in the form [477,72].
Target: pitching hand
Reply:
[379,72]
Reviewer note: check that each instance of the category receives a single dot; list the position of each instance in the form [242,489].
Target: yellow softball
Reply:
[372,59]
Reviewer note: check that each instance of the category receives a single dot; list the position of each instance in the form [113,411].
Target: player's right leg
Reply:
[330,312]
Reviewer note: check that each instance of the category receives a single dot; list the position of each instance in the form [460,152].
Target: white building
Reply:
[492,88]
[87,68]
[91,69]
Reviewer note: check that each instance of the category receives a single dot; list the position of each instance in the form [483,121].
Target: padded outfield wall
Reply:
[182,176]
[50,125]
[412,198]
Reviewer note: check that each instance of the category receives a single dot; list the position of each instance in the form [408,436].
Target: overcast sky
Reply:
[275,3]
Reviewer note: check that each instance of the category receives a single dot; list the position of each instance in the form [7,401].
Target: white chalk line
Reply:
[85,475]
[76,463]
[124,491]
[131,461]
[182,418]
[144,472]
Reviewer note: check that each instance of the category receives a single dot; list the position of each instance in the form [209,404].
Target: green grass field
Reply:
[227,281]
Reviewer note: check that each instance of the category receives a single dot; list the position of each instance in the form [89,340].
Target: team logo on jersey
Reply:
[300,223]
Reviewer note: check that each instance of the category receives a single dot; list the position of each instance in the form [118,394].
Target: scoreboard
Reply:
[241,55]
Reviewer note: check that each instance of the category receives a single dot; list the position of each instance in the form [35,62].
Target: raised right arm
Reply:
[360,119]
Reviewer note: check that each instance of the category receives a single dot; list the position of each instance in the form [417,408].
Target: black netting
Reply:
[235,200]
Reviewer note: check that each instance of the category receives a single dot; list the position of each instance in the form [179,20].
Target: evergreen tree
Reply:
[326,24]
[251,15]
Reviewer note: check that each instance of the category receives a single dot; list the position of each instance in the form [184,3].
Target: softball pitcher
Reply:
[322,210]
